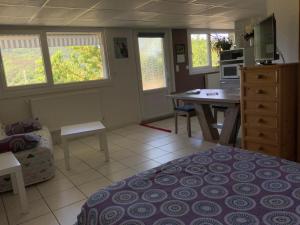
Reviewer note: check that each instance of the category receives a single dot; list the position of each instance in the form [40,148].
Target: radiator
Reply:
[59,110]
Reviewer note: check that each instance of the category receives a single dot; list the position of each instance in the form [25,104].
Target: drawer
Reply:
[260,135]
[270,76]
[267,149]
[259,107]
[260,121]
[261,93]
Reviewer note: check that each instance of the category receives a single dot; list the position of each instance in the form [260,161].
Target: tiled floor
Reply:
[132,149]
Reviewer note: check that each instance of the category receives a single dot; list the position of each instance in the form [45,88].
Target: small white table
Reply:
[83,129]
[9,165]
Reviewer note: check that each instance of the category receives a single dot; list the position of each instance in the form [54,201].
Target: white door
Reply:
[154,75]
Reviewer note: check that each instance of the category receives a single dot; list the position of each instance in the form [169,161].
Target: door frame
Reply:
[169,64]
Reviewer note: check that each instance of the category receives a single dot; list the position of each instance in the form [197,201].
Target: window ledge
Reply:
[204,72]
[49,89]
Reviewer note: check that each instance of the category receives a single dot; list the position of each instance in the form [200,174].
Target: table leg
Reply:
[103,145]
[231,126]
[66,153]
[206,120]
[21,190]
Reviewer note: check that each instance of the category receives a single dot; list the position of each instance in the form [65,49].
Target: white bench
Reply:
[83,129]
[9,165]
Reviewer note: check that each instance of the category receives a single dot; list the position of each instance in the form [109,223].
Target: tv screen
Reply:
[265,40]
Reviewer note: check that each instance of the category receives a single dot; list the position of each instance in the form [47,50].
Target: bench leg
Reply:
[103,145]
[14,183]
[176,122]
[21,190]
[66,153]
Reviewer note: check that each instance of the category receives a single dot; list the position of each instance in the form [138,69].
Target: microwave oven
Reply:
[231,71]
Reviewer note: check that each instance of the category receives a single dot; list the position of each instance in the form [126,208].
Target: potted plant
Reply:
[221,44]
[249,34]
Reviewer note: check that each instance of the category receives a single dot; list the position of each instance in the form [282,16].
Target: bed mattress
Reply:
[219,186]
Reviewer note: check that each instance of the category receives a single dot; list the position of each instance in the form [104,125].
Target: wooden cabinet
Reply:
[269,109]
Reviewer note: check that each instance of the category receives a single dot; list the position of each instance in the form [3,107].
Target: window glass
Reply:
[76,57]
[152,62]
[200,48]
[22,60]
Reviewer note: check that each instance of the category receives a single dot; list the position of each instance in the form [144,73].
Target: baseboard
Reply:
[157,118]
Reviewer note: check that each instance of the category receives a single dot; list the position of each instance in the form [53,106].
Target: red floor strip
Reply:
[156,128]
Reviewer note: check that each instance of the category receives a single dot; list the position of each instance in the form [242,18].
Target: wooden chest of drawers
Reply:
[268,107]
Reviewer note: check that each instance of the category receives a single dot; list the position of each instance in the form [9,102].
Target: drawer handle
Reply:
[259,76]
[260,120]
[261,148]
[259,92]
[261,135]
[260,106]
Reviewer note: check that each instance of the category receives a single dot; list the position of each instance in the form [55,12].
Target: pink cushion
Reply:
[19,142]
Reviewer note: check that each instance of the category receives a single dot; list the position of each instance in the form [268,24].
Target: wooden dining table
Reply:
[203,99]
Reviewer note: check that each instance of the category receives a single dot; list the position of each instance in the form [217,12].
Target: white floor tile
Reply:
[93,186]
[111,168]
[166,158]
[120,175]
[12,199]
[64,198]
[53,187]
[68,215]
[84,177]
[133,160]
[36,209]
[48,219]
[146,165]
[154,153]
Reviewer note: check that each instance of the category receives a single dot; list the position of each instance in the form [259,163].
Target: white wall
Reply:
[287,15]
[212,81]
[119,100]
[240,40]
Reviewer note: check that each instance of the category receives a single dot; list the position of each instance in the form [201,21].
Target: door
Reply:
[154,76]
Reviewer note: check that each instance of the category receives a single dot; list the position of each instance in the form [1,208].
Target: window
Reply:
[204,57]
[22,60]
[152,62]
[200,50]
[76,57]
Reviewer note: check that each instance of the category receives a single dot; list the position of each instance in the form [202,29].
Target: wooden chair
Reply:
[187,110]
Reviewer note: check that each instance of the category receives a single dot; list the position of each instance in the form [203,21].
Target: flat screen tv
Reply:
[265,46]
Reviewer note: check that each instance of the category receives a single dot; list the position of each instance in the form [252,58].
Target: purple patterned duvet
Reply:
[215,187]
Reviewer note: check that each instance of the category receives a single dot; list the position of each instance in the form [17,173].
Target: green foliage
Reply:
[69,64]
[199,52]
[76,63]
[21,68]
[200,49]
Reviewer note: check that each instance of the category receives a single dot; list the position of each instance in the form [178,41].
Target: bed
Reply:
[222,185]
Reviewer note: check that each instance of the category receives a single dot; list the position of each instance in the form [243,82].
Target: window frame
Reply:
[204,69]
[49,86]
